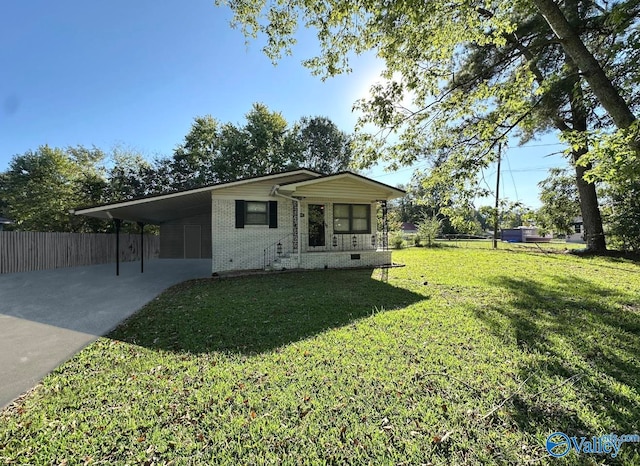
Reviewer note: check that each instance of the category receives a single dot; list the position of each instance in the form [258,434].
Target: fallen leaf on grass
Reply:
[442,438]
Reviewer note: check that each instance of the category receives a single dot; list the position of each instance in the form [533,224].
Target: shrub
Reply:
[397,242]
[429,229]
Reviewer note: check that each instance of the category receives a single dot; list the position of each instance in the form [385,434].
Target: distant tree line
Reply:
[424,203]
[560,198]
[41,186]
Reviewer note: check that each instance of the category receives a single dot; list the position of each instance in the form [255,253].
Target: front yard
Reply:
[464,356]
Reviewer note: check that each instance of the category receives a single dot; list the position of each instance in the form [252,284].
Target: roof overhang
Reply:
[165,207]
[155,210]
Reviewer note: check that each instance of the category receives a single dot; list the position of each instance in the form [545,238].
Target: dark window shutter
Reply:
[239,214]
[273,214]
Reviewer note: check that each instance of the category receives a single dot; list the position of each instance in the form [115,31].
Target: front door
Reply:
[316,225]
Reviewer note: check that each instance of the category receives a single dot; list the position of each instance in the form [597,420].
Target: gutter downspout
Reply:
[274,192]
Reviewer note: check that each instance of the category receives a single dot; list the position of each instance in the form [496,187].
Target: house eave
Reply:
[192,201]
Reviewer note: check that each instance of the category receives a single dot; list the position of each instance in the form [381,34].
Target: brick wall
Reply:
[330,260]
[243,248]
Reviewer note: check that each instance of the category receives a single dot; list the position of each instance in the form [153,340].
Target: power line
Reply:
[525,170]
[512,179]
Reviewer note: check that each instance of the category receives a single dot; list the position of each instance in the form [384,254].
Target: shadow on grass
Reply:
[573,327]
[256,314]
[605,261]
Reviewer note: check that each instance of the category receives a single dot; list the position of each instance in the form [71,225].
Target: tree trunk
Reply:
[600,84]
[591,218]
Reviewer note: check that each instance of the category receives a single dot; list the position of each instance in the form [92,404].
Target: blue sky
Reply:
[136,73]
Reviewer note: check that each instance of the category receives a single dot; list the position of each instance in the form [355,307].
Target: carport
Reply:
[184,219]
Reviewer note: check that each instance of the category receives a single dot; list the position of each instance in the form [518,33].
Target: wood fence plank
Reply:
[26,251]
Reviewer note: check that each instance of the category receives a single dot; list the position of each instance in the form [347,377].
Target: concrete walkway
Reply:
[48,316]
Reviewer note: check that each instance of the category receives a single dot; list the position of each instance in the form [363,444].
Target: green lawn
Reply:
[464,356]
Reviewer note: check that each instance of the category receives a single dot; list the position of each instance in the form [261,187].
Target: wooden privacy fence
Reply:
[26,251]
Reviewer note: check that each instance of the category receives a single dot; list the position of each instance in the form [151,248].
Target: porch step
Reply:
[285,262]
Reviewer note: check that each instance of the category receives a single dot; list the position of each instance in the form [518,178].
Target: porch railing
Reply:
[345,242]
[285,246]
[282,247]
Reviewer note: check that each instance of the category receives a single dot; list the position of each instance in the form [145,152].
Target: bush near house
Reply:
[465,356]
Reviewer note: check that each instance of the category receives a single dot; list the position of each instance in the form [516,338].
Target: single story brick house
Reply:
[295,219]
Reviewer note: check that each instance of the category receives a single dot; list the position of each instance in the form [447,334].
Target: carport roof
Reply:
[161,208]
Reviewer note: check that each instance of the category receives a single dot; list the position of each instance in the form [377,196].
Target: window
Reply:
[577,227]
[351,218]
[256,213]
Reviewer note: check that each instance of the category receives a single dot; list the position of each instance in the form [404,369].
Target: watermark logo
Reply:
[560,444]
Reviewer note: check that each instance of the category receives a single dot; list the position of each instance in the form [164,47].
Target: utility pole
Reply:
[496,213]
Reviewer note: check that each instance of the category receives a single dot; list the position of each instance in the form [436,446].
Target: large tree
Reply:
[535,87]
[531,81]
[322,145]
[40,188]
[193,161]
[264,143]
[567,27]
[132,176]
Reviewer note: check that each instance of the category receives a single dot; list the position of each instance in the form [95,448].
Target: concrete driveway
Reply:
[48,316]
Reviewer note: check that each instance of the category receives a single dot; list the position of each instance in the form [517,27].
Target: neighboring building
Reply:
[4,221]
[297,219]
[524,235]
[578,231]
[408,229]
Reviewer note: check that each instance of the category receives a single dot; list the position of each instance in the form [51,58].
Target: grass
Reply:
[553,246]
[465,356]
